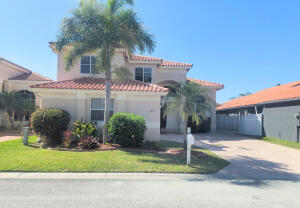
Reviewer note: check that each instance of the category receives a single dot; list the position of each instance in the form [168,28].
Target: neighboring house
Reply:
[80,91]
[279,107]
[17,78]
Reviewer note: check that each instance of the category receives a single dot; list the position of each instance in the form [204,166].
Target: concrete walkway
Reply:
[249,158]
[8,136]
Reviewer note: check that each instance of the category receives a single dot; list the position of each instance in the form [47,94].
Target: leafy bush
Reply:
[127,129]
[84,129]
[50,124]
[88,143]
[70,139]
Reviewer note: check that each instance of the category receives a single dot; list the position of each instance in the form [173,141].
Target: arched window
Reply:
[27,95]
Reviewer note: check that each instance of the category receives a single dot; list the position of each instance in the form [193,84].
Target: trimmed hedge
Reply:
[50,124]
[127,129]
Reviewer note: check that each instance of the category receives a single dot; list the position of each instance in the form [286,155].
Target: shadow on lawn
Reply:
[203,165]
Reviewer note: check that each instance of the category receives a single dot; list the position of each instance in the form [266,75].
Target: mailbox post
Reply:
[190,142]
[25,136]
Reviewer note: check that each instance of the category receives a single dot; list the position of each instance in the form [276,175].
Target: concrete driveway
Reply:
[249,158]
[8,136]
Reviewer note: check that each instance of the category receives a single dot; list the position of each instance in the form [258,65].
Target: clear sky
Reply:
[247,45]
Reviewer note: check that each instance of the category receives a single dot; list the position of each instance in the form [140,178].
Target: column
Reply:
[81,100]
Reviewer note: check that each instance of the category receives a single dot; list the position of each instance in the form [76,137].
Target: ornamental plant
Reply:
[127,129]
[50,124]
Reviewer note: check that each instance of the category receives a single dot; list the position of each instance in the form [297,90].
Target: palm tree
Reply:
[190,100]
[11,102]
[103,28]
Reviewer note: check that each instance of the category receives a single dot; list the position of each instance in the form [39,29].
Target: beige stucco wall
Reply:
[164,74]
[59,100]
[7,71]
[212,95]
[77,103]
[149,108]
[16,85]
[1,85]
[158,74]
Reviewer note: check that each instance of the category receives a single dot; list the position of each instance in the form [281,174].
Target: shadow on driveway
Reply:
[252,162]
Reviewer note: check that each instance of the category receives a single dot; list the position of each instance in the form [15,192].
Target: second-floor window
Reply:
[88,65]
[143,74]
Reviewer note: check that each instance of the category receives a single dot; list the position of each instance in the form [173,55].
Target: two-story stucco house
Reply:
[80,91]
[14,77]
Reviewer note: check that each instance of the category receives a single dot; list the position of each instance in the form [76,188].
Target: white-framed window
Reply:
[88,65]
[97,109]
[143,74]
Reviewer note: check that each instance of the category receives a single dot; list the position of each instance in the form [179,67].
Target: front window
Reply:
[88,65]
[97,109]
[143,74]
[27,114]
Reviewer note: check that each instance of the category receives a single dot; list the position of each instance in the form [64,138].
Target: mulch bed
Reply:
[111,147]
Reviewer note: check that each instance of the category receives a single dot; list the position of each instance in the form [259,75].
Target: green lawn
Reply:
[282,142]
[14,156]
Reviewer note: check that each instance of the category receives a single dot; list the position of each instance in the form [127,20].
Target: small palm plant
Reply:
[190,100]
[11,102]
[103,28]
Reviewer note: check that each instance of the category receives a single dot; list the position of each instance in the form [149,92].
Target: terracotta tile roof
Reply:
[280,93]
[206,83]
[173,63]
[31,77]
[28,74]
[89,83]
[163,63]
[134,57]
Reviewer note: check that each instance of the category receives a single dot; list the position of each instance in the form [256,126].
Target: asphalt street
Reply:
[27,190]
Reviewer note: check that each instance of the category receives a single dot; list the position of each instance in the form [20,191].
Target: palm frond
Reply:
[190,100]
[74,53]
[121,74]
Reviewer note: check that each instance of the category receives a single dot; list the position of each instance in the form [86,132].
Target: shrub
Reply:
[127,129]
[84,129]
[88,143]
[50,124]
[70,139]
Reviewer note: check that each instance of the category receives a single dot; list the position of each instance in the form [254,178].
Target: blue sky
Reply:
[247,45]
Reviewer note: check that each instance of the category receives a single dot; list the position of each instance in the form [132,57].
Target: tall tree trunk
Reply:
[11,120]
[107,104]
[185,132]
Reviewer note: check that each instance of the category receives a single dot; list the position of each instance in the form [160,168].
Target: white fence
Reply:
[250,124]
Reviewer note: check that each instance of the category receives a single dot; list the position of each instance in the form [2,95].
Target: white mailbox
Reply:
[190,140]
